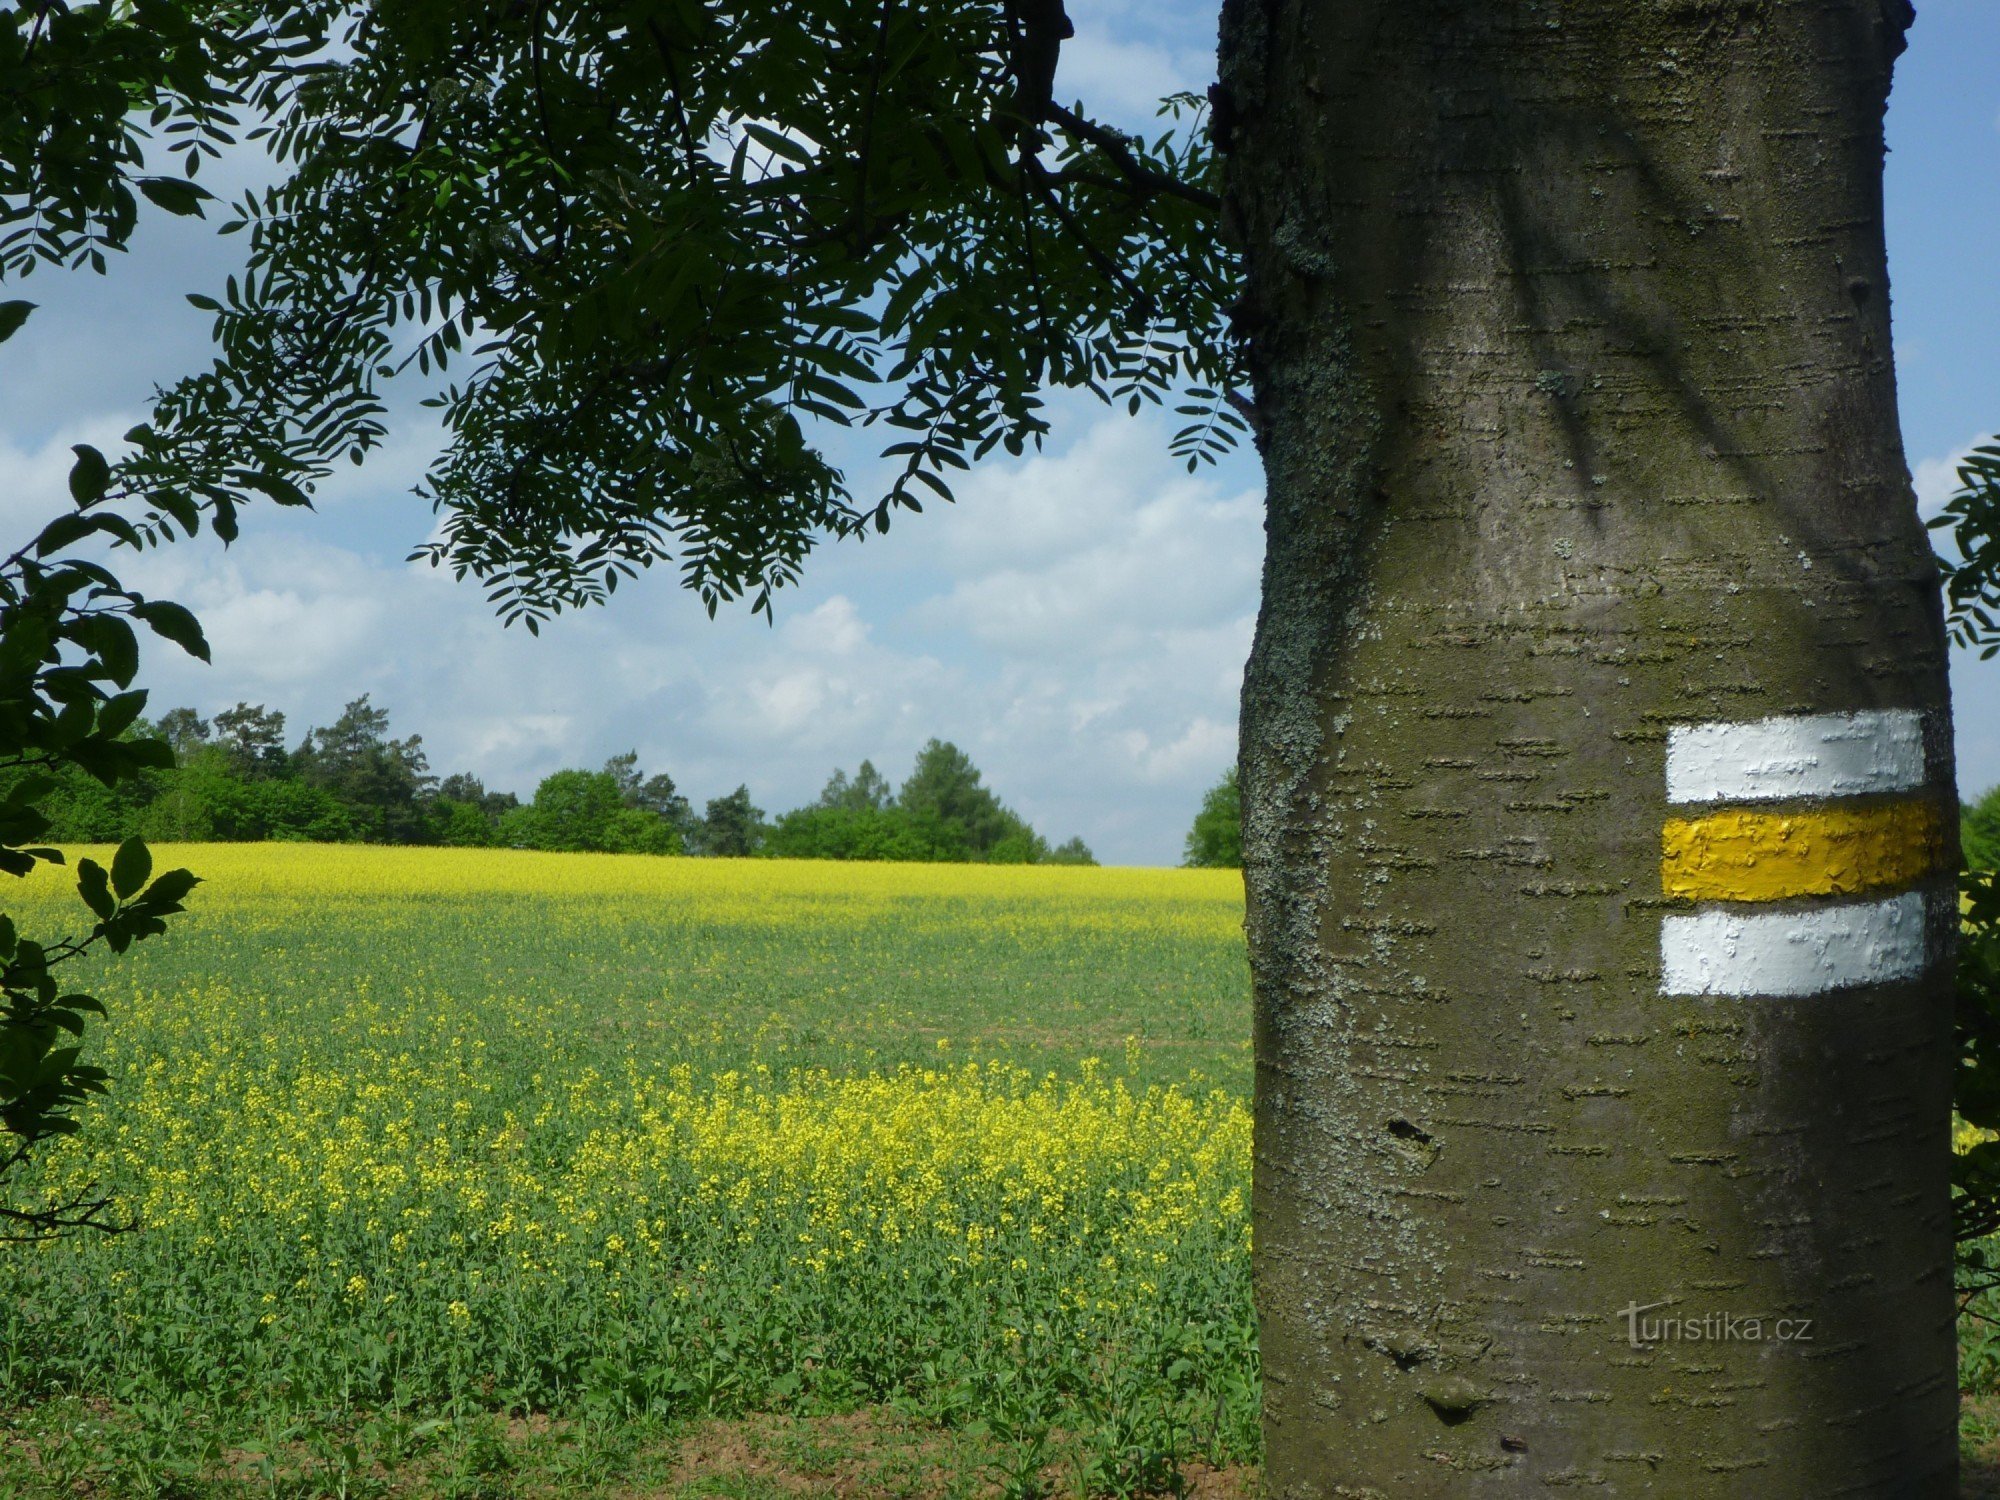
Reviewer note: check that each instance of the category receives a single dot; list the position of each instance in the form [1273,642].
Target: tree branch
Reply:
[1038,177]
[1137,172]
[1036,31]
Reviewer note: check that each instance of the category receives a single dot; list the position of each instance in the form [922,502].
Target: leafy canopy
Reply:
[1216,838]
[1972,590]
[656,254]
[1972,580]
[83,88]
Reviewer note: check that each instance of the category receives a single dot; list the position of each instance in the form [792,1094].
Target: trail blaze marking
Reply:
[1793,952]
[1825,755]
[1834,847]
[1827,851]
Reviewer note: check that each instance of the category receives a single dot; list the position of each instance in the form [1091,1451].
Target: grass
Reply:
[527,1177]
[516,1174]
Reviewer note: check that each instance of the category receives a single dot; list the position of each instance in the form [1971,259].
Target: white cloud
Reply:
[1121,79]
[1936,479]
[1078,623]
[34,477]
[532,737]
[1109,542]
[1201,750]
[834,628]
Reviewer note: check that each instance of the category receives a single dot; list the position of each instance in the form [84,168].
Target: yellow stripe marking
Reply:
[1829,851]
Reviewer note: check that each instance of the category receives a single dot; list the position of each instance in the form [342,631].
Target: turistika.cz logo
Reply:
[1643,1332]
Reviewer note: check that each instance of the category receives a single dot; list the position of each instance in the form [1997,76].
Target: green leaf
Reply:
[780,145]
[90,476]
[830,315]
[173,622]
[172,887]
[180,507]
[94,885]
[175,194]
[111,641]
[281,490]
[21,1049]
[149,752]
[12,316]
[58,1063]
[131,867]
[120,712]
[63,531]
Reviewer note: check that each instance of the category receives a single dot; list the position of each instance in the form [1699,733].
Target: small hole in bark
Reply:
[1403,1130]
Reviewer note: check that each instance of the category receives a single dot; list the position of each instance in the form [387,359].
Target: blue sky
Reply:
[1943,209]
[1078,621]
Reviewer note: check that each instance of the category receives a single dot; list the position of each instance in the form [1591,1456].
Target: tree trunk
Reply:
[1596,751]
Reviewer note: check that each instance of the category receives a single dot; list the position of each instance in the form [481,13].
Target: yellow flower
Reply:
[280,1112]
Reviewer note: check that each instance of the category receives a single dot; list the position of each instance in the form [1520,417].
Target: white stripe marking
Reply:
[1793,952]
[1825,755]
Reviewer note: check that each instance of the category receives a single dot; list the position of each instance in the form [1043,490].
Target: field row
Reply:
[414,1135]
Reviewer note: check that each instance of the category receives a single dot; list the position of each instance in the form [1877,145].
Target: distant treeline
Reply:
[236,779]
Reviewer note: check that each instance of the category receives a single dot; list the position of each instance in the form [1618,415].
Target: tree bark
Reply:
[1599,819]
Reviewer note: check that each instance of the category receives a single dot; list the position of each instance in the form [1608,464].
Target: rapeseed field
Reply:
[413,1137]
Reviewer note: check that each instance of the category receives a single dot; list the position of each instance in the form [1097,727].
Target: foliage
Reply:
[587,810]
[78,81]
[1976,1094]
[942,813]
[731,826]
[869,791]
[1973,514]
[821,832]
[663,251]
[1979,831]
[1071,851]
[1976,1033]
[655,794]
[252,737]
[236,781]
[1972,579]
[379,1174]
[464,815]
[461,825]
[383,782]
[945,800]
[1216,839]
[678,237]
[209,797]
[83,86]
[68,653]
